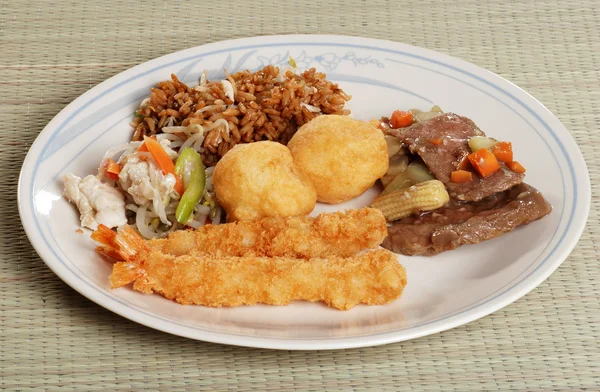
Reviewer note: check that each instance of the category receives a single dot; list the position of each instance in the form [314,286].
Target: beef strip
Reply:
[442,159]
[461,223]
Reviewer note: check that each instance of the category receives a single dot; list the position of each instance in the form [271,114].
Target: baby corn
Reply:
[424,196]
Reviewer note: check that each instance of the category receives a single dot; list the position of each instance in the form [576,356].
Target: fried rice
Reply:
[243,108]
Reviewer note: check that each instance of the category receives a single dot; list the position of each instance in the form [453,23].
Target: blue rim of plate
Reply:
[465,309]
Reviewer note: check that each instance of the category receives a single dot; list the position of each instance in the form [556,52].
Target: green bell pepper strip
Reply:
[194,179]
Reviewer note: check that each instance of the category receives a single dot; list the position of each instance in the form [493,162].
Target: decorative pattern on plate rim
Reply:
[328,60]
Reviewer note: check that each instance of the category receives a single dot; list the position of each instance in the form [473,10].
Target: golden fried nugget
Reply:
[373,278]
[342,157]
[260,179]
[329,234]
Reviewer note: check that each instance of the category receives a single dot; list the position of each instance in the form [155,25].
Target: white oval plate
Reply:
[443,292]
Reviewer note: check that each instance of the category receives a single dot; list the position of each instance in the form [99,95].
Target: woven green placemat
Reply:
[53,338]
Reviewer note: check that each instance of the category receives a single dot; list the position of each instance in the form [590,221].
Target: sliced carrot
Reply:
[516,167]
[401,119]
[436,142]
[503,151]
[112,166]
[484,162]
[111,176]
[179,188]
[159,154]
[143,147]
[461,176]
[112,169]
[163,161]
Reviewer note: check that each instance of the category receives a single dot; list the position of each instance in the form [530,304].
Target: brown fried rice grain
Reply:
[267,106]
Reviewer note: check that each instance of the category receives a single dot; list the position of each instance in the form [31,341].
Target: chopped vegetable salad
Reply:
[150,185]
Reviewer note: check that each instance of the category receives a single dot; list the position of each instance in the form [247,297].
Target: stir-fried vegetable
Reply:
[112,169]
[292,62]
[503,151]
[461,176]
[425,196]
[476,143]
[398,164]
[484,162]
[516,167]
[163,161]
[418,172]
[399,182]
[415,173]
[487,153]
[419,116]
[401,119]
[393,144]
[189,167]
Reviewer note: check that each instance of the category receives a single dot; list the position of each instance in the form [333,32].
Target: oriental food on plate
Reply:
[209,203]
[450,185]
[162,180]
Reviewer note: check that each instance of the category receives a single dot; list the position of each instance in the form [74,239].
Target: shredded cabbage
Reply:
[155,218]
[198,137]
[140,221]
[217,217]
[206,108]
[311,108]
[228,89]
[157,202]
[219,122]
[203,78]
[121,148]
[170,135]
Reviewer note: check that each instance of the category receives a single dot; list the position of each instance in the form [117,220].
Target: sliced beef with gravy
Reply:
[461,223]
[442,143]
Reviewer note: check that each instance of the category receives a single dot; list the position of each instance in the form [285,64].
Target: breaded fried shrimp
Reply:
[329,234]
[373,278]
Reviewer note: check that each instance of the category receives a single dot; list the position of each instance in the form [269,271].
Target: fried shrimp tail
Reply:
[126,245]
[373,278]
[340,234]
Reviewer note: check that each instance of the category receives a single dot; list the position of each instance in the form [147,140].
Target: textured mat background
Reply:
[53,338]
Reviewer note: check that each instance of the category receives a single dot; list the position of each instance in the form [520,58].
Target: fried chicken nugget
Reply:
[373,278]
[329,234]
[260,179]
[343,157]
